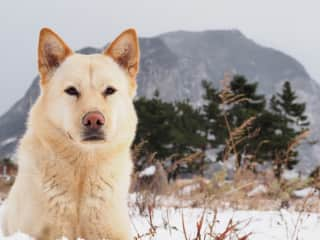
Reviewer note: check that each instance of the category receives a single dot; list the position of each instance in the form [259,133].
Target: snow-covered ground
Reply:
[282,225]
[278,225]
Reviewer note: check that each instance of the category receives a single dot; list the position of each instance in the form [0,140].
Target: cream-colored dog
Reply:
[74,159]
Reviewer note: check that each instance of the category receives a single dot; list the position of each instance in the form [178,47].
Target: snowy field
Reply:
[280,225]
[167,223]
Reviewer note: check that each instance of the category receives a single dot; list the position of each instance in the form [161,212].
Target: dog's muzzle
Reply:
[92,123]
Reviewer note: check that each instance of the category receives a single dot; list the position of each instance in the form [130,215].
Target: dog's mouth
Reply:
[93,136]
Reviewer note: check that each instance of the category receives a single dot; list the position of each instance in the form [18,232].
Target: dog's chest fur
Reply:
[68,186]
[81,188]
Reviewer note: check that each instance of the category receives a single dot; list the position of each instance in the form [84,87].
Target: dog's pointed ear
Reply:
[52,51]
[125,51]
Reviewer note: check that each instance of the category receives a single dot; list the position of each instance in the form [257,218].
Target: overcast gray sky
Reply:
[291,26]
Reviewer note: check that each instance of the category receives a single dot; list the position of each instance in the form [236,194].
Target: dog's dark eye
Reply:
[72,91]
[109,91]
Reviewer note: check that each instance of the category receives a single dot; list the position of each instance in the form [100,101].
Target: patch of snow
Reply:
[211,137]
[211,154]
[230,163]
[278,132]
[168,146]
[260,189]
[187,190]
[290,174]
[8,141]
[149,171]
[303,193]
[201,133]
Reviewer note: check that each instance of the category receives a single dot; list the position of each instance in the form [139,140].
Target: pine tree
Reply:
[188,137]
[272,142]
[188,129]
[274,105]
[286,103]
[155,122]
[214,124]
[289,121]
[252,105]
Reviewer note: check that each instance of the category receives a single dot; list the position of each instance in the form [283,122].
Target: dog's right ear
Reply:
[52,51]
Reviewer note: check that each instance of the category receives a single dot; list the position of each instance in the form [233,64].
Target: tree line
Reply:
[235,121]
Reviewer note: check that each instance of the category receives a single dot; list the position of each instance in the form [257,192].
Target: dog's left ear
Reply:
[125,51]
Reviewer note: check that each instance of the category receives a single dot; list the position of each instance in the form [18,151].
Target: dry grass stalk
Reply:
[230,232]
[226,95]
[152,226]
[200,225]
[212,224]
[295,142]
[186,159]
[137,150]
[303,210]
[184,227]
[229,98]
[239,134]
[283,157]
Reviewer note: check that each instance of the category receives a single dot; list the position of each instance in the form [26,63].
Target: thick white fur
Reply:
[66,187]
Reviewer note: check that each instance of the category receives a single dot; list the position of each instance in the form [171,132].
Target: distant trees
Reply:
[235,119]
[171,130]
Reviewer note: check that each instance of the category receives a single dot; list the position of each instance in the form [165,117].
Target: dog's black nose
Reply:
[93,120]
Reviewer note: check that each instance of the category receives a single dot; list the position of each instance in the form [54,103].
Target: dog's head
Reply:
[89,98]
